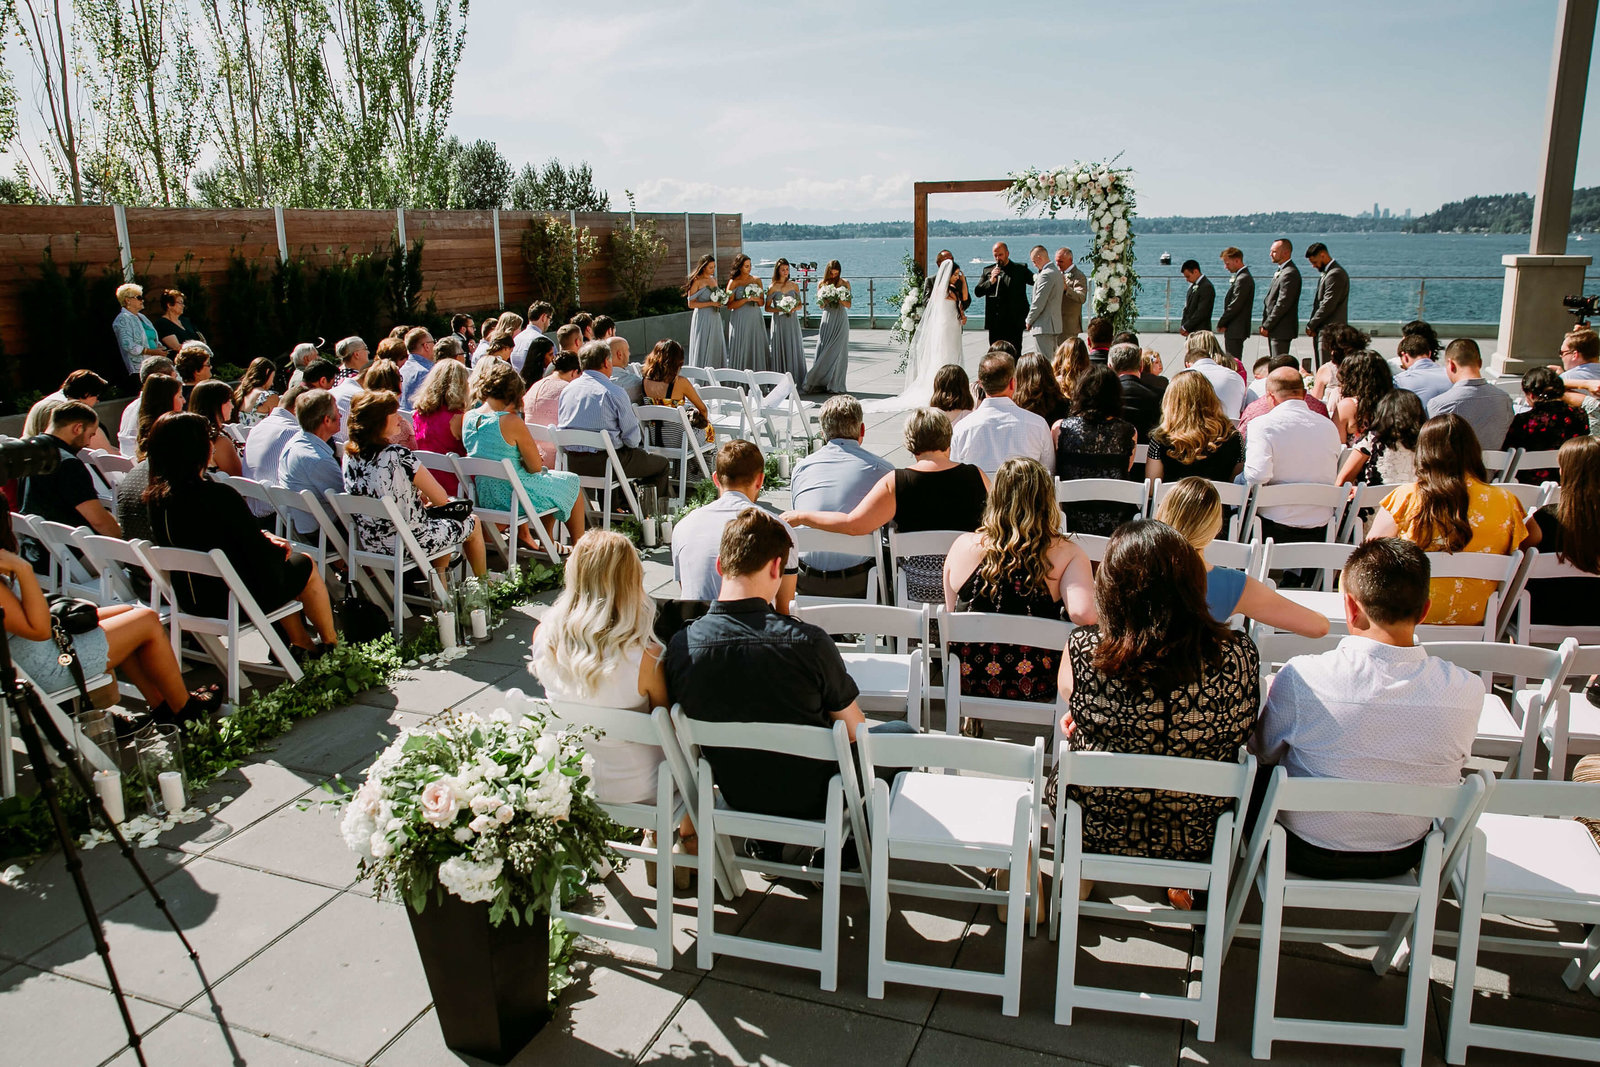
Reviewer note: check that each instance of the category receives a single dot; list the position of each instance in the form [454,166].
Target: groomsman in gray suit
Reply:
[1234,322]
[1280,312]
[1042,328]
[1331,305]
[1074,293]
[1201,299]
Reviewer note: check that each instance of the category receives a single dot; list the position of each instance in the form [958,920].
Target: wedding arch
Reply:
[1103,191]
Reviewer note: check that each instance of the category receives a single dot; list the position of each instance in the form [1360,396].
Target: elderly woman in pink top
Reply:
[539,402]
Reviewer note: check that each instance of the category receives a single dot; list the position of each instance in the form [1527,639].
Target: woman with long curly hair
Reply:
[1038,391]
[1017,563]
[1451,507]
[437,413]
[1195,437]
[254,398]
[1070,362]
[1387,454]
[1364,380]
[214,400]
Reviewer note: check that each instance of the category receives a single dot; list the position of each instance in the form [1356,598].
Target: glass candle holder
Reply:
[159,750]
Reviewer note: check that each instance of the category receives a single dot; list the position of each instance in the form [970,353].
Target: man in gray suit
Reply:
[1198,304]
[1331,304]
[1074,293]
[1234,322]
[1280,312]
[1042,328]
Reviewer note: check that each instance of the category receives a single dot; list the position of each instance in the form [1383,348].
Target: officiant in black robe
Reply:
[1004,287]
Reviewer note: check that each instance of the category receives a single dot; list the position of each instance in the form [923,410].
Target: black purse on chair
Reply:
[69,618]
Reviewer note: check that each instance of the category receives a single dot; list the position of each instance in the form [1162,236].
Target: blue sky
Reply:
[829,111]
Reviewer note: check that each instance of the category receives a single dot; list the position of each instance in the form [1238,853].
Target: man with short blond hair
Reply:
[419,361]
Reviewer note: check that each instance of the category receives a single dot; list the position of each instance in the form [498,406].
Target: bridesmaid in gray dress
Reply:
[747,334]
[788,352]
[833,340]
[708,346]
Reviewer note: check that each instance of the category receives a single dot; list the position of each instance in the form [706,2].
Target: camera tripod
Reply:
[32,721]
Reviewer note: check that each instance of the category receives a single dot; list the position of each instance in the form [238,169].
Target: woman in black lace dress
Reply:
[1017,563]
[1095,441]
[1157,676]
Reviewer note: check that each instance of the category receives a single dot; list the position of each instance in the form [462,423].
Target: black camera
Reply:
[1581,306]
[24,459]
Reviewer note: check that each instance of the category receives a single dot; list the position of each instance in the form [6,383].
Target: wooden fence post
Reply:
[119,214]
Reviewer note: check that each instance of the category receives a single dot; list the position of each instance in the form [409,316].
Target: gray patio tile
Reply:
[938,1047]
[45,905]
[1116,955]
[428,691]
[304,844]
[334,739]
[255,791]
[612,1013]
[343,983]
[722,1023]
[228,913]
[196,1042]
[1527,978]
[1495,1009]
[48,1019]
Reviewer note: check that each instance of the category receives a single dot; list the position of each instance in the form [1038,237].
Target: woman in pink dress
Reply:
[539,402]
[436,417]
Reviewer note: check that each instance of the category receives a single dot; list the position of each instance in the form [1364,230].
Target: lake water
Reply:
[1455,278]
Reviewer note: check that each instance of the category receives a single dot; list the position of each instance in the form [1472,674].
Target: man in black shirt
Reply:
[744,662]
[66,495]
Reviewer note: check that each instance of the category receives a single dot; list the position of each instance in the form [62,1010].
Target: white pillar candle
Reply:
[172,797]
[783,464]
[480,624]
[649,526]
[666,530]
[108,786]
[447,629]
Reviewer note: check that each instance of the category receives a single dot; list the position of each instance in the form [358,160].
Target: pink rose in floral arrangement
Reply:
[440,803]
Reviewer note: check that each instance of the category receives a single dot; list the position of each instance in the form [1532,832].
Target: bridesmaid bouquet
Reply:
[751,292]
[719,297]
[832,296]
[786,304]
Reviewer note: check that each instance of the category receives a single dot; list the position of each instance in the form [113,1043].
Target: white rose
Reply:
[464,834]
[504,814]
[358,828]
[1113,304]
[470,880]
[440,802]
[482,824]
[381,848]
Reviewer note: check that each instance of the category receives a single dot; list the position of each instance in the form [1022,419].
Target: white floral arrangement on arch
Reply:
[832,296]
[1105,192]
[787,303]
[496,811]
[912,299]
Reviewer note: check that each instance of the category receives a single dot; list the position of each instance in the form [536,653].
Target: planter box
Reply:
[642,334]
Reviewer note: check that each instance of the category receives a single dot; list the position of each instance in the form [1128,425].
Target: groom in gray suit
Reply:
[1042,328]
[1280,312]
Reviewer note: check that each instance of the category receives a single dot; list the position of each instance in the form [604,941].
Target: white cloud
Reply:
[785,201]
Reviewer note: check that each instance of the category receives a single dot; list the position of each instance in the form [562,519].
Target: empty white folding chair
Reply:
[782,402]
[654,419]
[402,556]
[760,420]
[661,816]
[868,545]
[1571,726]
[1229,782]
[326,542]
[890,677]
[700,376]
[988,628]
[1500,464]
[987,819]
[1361,499]
[1326,556]
[1335,498]
[728,411]
[842,818]
[1133,497]
[1527,858]
[613,478]
[519,511]
[1411,899]
[1231,494]
[925,545]
[1501,571]
[1511,734]
[220,636]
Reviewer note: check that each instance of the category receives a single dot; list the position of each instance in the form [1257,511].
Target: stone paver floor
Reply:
[309,968]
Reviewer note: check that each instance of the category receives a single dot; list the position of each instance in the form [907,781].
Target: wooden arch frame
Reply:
[919,210]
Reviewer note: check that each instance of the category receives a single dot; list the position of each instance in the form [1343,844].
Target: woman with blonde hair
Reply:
[1017,563]
[436,415]
[1071,362]
[1193,508]
[1195,436]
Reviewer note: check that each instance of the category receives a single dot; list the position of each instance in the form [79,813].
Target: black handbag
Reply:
[460,510]
[70,617]
[358,618]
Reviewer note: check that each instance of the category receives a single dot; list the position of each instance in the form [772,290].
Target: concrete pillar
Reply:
[1532,321]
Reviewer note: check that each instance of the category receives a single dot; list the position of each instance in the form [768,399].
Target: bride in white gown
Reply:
[936,342]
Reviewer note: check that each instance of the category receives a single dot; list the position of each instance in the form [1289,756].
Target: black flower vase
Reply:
[490,984]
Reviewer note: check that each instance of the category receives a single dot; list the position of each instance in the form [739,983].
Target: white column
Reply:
[499,266]
[119,215]
[400,225]
[713,242]
[688,243]
[283,238]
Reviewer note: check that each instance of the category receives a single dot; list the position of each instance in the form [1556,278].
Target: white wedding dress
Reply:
[936,342]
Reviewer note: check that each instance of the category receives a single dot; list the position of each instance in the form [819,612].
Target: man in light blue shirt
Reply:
[1421,374]
[837,477]
[419,351]
[1580,355]
[592,401]
[309,460]
[1481,403]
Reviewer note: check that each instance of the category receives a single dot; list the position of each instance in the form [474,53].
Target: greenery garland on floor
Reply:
[213,748]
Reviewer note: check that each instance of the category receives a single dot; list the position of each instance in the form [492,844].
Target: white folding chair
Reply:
[903,546]
[1501,465]
[990,818]
[110,465]
[220,636]
[613,478]
[389,567]
[253,491]
[1102,491]
[1479,566]
[893,677]
[1537,564]
[1231,494]
[700,376]
[1529,496]
[718,821]
[91,753]
[653,420]
[1094,546]
[519,512]
[1298,494]
[661,816]
[1527,858]
[75,574]
[782,400]
[22,527]
[437,463]
[1364,497]
[1533,460]
[744,382]
[1412,899]
[1327,556]
[1571,726]
[869,545]
[961,627]
[1113,770]
[1511,734]
[123,571]
[728,411]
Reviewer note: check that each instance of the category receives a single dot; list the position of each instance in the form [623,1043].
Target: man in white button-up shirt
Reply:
[1377,708]
[1229,387]
[1291,443]
[999,430]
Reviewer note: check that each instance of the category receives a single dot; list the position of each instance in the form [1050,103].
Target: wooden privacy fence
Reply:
[471,261]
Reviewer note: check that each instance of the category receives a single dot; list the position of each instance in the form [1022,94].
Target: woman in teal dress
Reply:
[829,369]
[788,351]
[747,334]
[495,430]
[708,341]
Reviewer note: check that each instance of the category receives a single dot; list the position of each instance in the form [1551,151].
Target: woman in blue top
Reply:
[495,430]
[1195,511]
